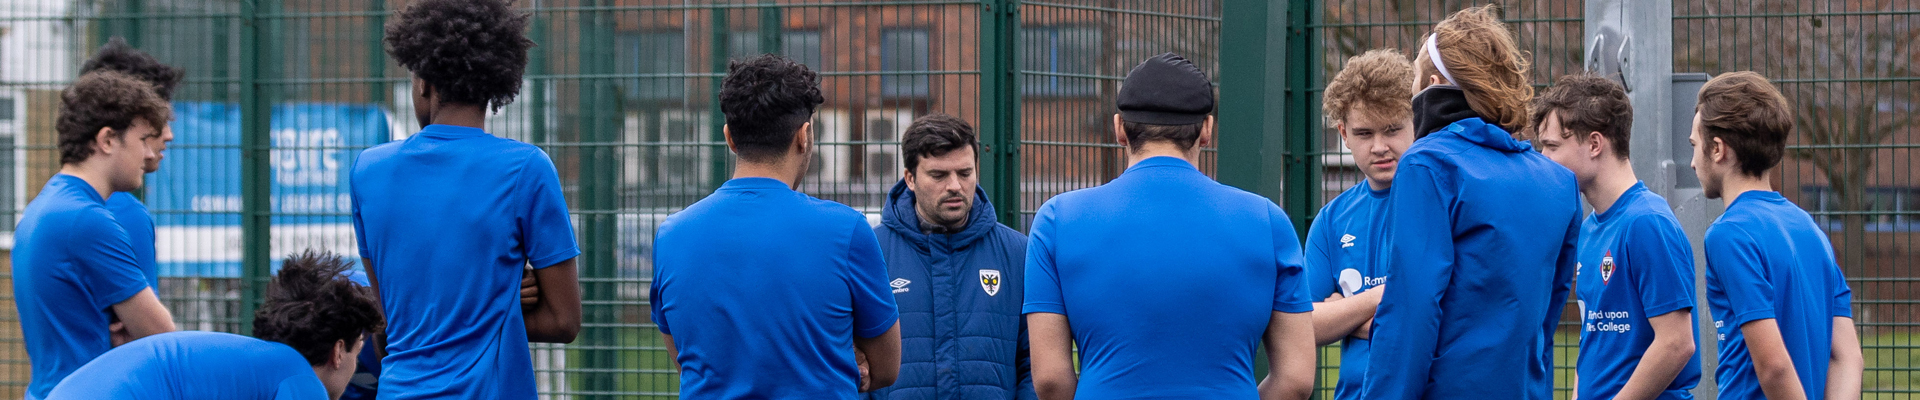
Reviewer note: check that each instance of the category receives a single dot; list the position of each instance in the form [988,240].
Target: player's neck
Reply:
[1736,184]
[1161,149]
[781,171]
[467,115]
[92,174]
[1611,182]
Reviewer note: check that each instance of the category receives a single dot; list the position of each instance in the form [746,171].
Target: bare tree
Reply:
[1836,61]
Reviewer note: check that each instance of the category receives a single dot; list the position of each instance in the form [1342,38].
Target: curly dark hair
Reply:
[104,99]
[936,135]
[120,57]
[312,304]
[1588,103]
[1745,111]
[468,51]
[766,99]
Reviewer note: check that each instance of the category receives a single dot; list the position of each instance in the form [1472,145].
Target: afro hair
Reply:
[468,51]
[312,304]
[119,57]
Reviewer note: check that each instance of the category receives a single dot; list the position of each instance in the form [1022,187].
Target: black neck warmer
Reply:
[1439,106]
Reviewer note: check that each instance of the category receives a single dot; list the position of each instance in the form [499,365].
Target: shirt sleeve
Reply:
[874,310]
[547,228]
[359,228]
[1420,267]
[1322,279]
[102,248]
[1290,284]
[1659,261]
[1735,260]
[1842,293]
[654,301]
[1043,279]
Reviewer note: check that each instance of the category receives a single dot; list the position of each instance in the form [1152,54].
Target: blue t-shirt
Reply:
[1767,259]
[365,384]
[1639,241]
[764,289]
[1168,280]
[133,217]
[1481,253]
[449,217]
[1339,248]
[71,263]
[192,365]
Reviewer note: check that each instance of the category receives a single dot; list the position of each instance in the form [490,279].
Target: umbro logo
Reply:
[900,285]
[1346,241]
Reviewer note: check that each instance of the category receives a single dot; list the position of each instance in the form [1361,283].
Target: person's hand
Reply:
[860,357]
[529,288]
[117,334]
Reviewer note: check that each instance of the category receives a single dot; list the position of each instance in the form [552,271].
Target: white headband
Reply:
[1433,51]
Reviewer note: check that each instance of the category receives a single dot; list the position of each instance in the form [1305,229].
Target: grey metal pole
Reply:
[1634,38]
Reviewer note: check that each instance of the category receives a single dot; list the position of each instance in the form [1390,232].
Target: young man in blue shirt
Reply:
[1368,102]
[448,218]
[1637,337]
[763,292]
[957,273]
[74,272]
[127,209]
[1480,253]
[1781,308]
[310,331]
[1166,280]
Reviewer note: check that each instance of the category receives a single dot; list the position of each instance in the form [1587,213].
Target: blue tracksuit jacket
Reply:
[1482,241]
[962,336]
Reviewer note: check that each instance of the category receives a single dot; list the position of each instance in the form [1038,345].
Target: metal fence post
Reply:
[717,58]
[256,121]
[1253,63]
[1000,107]
[1303,65]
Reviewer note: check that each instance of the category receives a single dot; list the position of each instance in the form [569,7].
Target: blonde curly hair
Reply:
[1375,83]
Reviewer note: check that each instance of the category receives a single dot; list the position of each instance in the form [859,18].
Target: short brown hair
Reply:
[1375,81]
[1588,103]
[1746,112]
[1490,67]
[936,135]
[104,99]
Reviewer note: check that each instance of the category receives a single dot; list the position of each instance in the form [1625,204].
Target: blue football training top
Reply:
[191,365]
[1767,259]
[138,223]
[71,263]
[449,217]
[764,289]
[1635,263]
[1167,279]
[1339,248]
[1481,256]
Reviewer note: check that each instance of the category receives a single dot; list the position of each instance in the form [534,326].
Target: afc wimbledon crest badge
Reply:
[990,281]
[1606,268]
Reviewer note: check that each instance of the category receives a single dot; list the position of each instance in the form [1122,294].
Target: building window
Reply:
[1889,209]
[1048,55]
[801,46]
[903,56]
[655,62]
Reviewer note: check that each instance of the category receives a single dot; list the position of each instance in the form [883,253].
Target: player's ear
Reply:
[1119,131]
[341,352]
